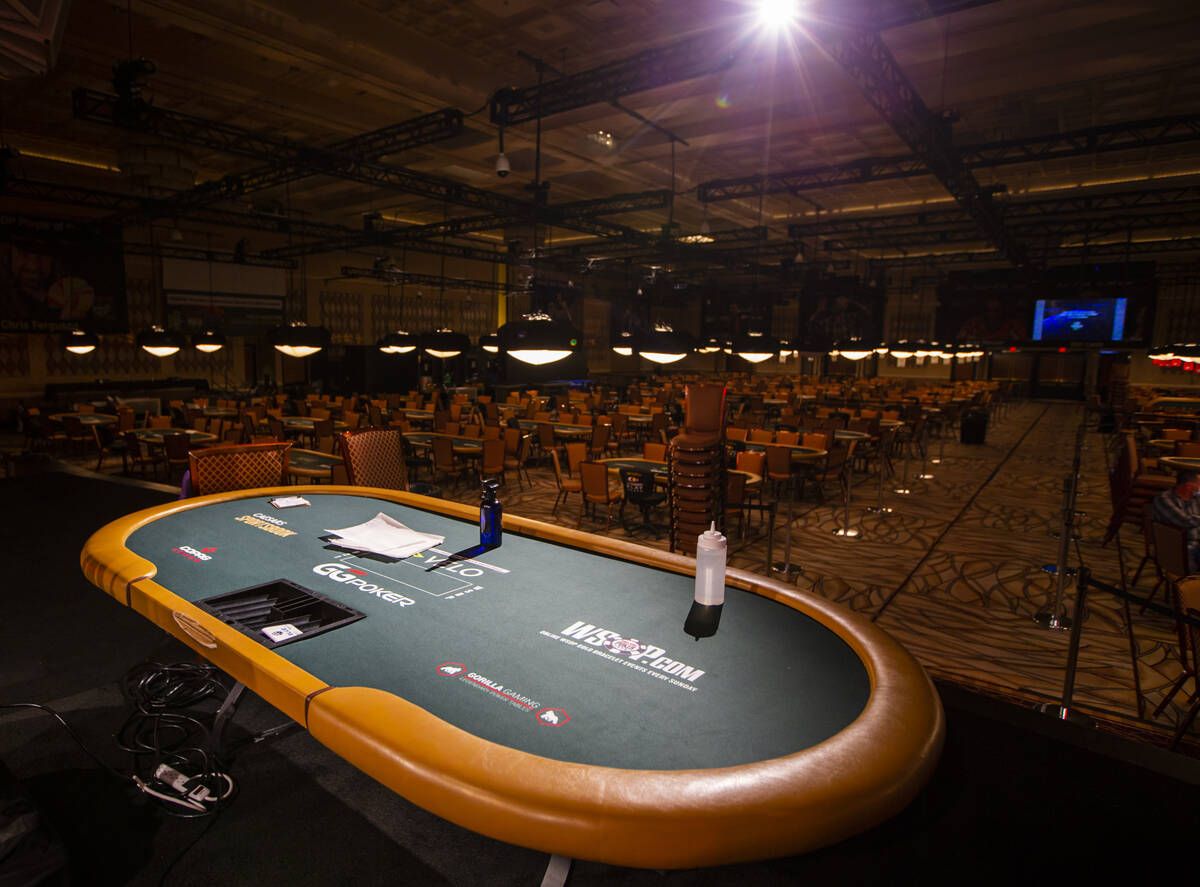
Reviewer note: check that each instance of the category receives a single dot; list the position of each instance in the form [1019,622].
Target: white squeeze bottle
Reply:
[710,567]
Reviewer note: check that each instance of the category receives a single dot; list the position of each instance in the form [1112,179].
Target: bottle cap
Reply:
[711,538]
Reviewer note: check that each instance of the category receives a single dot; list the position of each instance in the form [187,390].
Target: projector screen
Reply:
[1079,320]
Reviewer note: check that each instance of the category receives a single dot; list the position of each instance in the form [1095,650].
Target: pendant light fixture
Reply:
[298,339]
[159,342]
[853,350]
[663,345]
[444,342]
[755,347]
[80,342]
[490,343]
[711,345]
[624,344]
[538,339]
[399,341]
[210,340]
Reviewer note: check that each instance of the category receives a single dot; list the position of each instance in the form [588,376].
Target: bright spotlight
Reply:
[776,14]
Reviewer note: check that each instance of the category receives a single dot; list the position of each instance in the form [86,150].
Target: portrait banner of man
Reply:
[55,285]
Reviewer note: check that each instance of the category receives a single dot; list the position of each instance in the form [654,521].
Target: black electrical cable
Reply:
[45,709]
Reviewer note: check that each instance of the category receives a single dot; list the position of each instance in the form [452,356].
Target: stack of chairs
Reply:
[696,465]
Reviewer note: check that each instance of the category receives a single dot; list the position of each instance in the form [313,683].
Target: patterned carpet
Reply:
[954,572]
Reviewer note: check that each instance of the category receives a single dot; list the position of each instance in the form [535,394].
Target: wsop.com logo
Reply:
[199,555]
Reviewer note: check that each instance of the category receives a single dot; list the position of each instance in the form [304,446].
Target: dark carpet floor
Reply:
[1016,795]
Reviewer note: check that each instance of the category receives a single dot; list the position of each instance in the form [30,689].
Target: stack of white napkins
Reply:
[385,535]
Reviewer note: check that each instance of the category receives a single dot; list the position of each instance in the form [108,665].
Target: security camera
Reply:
[502,167]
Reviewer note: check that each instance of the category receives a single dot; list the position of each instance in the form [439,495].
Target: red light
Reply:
[1012,348]
[1176,362]
[1062,350]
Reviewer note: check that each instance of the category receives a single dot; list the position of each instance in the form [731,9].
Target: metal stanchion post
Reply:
[879,507]
[903,489]
[785,567]
[1055,618]
[923,443]
[846,531]
[1063,710]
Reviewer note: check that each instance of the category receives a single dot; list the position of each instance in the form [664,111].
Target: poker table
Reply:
[1180,463]
[154,436]
[660,469]
[88,419]
[463,446]
[308,424]
[799,454]
[561,429]
[544,692]
[311,464]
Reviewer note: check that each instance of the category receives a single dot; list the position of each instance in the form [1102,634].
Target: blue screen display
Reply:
[1079,320]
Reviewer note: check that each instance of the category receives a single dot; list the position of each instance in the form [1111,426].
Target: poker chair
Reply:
[593,477]
[638,489]
[1188,604]
[1171,558]
[566,485]
[240,467]
[491,464]
[374,457]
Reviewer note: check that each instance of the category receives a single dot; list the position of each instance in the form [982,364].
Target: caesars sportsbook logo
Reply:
[354,579]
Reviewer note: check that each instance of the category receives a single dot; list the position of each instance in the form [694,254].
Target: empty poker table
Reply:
[1180,463]
[86,418]
[463,446]
[154,436]
[660,469]
[561,429]
[544,692]
[799,454]
[311,463]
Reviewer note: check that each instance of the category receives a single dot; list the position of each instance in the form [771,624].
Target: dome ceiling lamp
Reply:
[399,341]
[298,339]
[663,345]
[159,342]
[80,342]
[755,347]
[538,339]
[444,342]
[211,339]
[490,343]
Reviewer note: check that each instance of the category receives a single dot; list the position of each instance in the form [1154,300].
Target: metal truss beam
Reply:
[1012,211]
[869,63]
[568,215]
[690,58]
[1186,243]
[186,129]
[397,277]
[1136,134]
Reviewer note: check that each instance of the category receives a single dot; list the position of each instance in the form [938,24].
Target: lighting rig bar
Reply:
[1013,211]
[566,215]
[1054,253]
[690,58]
[870,64]
[103,108]
[1136,134]
[395,278]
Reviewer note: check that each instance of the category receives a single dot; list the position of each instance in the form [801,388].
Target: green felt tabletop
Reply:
[156,435]
[425,439]
[487,643]
[312,460]
[87,418]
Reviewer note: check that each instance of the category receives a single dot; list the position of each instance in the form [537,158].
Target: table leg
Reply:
[785,567]
[557,871]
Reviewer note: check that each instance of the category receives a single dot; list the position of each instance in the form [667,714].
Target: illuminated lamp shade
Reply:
[755,347]
[537,339]
[624,344]
[902,350]
[881,349]
[209,342]
[855,350]
[664,345]
[159,342]
[490,343]
[709,346]
[398,342]
[80,342]
[298,339]
[445,343]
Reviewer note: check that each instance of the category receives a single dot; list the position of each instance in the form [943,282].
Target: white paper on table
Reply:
[385,535]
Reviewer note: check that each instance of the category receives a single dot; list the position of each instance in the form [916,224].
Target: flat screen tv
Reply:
[1079,320]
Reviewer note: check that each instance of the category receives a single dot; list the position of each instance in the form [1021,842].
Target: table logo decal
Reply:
[353,579]
[644,657]
[552,717]
[267,526]
[198,555]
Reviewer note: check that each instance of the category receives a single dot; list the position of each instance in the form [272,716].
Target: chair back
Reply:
[779,462]
[704,409]
[593,477]
[1176,434]
[787,438]
[600,434]
[374,457]
[492,462]
[158,421]
[238,467]
[735,489]
[576,454]
[491,432]
[443,454]
[176,446]
[752,461]
[546,440]
[1187,448]
[512,440]
[815,440]
[470,430]
[1170,548]
[654,451]
[734,432]
[352,419]
[760,435]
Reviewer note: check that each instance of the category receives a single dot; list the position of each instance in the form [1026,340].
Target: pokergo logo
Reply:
[195,554]
[353,578]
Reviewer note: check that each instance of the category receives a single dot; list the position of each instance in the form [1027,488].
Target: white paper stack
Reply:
[385,535]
